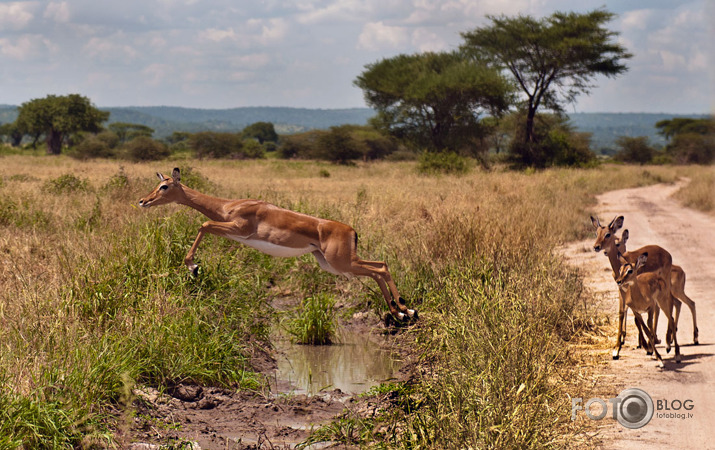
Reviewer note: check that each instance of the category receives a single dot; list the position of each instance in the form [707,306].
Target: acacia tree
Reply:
[434,100]
[57,117]
[552,60]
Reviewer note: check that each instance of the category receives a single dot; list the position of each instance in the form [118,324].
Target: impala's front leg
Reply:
[223,229]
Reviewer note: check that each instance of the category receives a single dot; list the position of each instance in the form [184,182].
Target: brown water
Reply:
[353,365]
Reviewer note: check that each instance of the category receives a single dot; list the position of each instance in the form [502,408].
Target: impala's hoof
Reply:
[413,314]
[678,359]
[615,355]
[661,365]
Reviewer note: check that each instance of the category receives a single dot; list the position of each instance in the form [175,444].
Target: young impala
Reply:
[677,287]
[644,293]
[278,232]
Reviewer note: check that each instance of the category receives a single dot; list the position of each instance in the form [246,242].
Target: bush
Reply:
[92,147]
[66,184]
[442,162]
[556,144]
[144,148]
[691,148]
[209,144]
[251,148]
[634,150]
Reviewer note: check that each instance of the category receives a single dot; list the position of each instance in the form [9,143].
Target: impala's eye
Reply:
[608,235]
[630,271]
[164,187]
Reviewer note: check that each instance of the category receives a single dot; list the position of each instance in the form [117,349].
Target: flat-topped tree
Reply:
[58,117]
[552,60]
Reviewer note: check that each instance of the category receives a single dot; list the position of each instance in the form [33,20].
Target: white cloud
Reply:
[57,12]
[378,36]
[636,20]
[16,15]
[110,48]
[216,35]
[155,74]
[23,48]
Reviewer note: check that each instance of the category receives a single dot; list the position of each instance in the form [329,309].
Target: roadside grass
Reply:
[700,192]
[94,297]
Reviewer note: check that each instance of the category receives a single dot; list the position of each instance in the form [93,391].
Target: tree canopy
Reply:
[552,60]
[57,117]
[128,131]
[433,100]
[261,131]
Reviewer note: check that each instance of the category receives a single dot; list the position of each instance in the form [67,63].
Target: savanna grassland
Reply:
[95,299]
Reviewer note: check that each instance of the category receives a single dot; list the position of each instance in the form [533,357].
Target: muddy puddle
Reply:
[354,364]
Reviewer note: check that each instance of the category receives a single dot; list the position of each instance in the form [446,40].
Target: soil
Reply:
[199,417]
[653,217]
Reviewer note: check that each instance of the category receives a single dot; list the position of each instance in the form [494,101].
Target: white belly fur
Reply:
[273,249]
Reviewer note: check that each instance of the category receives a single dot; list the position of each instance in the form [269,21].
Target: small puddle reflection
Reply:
[353,365]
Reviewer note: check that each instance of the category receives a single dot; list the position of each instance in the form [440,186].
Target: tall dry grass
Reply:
[94,297]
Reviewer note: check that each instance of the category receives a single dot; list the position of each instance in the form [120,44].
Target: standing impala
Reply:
[659,261]
[644,293]
[677,288]
[278,232]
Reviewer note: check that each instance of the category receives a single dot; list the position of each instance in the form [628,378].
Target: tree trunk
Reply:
[54,142]
[530,114]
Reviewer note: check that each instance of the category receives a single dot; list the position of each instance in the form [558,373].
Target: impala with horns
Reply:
[278,232]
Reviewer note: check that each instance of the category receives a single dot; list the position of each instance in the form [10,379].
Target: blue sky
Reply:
[306,53]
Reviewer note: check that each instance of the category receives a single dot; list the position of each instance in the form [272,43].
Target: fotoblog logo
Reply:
[633,408]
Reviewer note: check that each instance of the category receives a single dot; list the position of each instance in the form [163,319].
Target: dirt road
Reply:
[652,217]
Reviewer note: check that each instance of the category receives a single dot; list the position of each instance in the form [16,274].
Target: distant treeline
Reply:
[605,128]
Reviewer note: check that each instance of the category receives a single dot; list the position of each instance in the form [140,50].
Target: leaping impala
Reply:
[278,232]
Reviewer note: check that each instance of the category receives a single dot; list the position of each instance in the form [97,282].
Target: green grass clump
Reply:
[315,323]
[67,183]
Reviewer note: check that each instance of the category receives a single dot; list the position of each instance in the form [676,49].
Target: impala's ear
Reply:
[160,176]
[624,236]
[596,223]
[641,260]
[616,224]
[176,175]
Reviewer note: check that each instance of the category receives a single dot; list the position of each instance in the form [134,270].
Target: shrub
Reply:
[442,162]
[66,183]
[634,150]
[92,147]
[209,144]
[144,148]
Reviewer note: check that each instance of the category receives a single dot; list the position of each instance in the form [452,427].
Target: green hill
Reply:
[605,127]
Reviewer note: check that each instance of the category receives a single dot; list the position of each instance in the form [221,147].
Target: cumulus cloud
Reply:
[16,15]
[57,12]
[378,36]
[24,48]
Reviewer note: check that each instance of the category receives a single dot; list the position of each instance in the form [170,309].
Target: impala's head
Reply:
[621,243]
[627,274]
[605,236]
[168,190]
